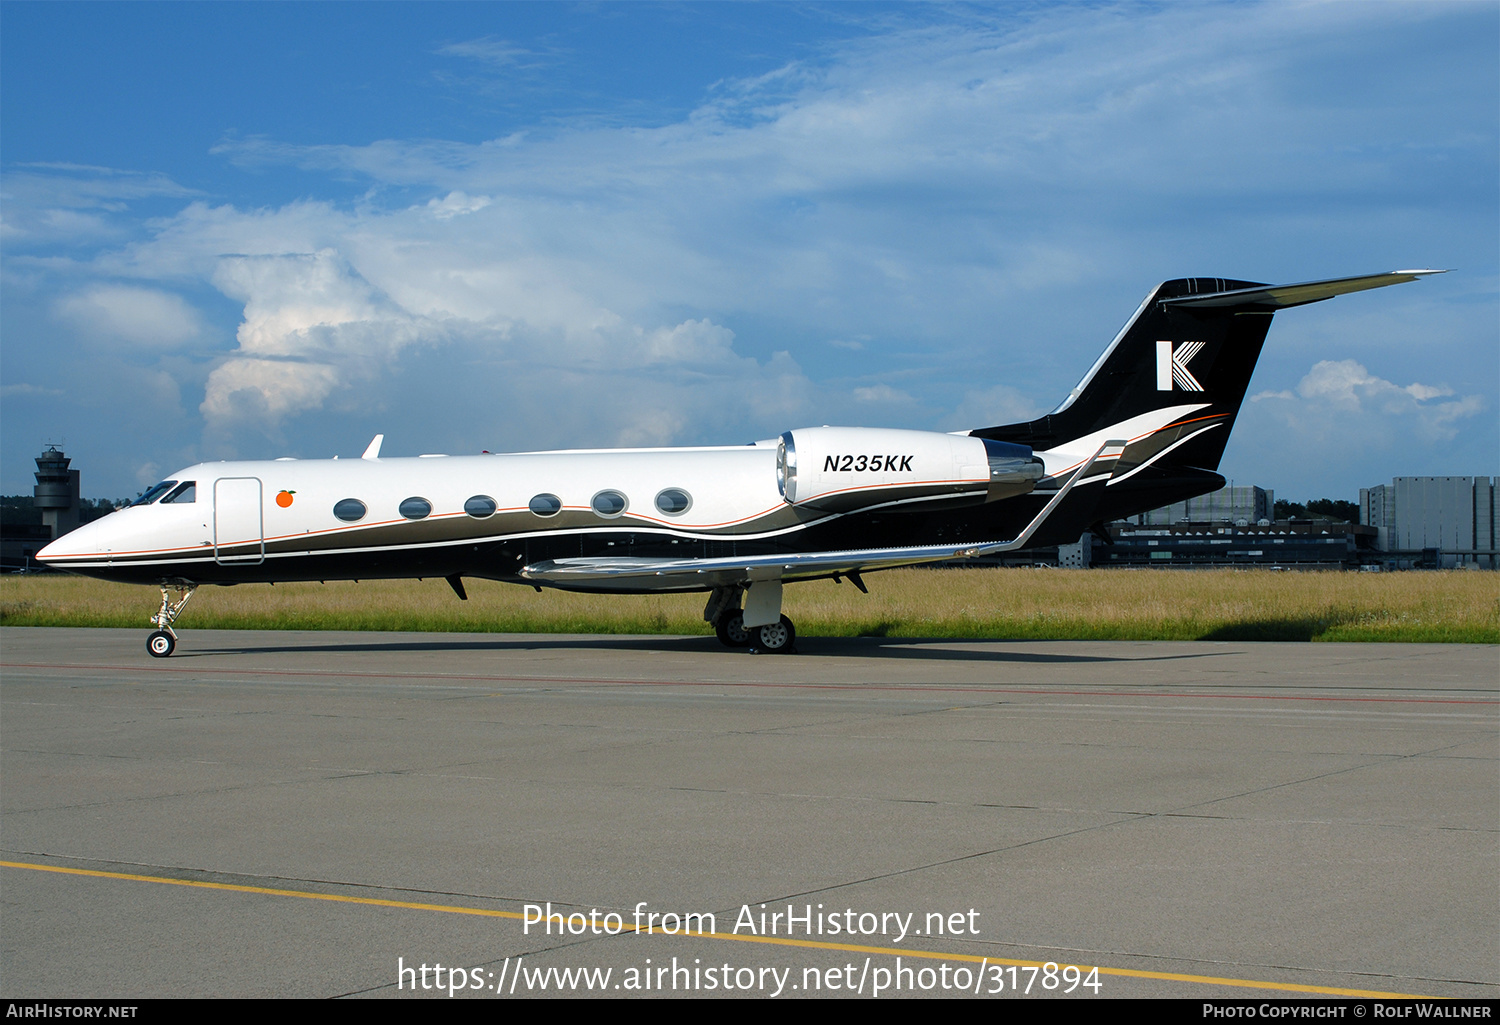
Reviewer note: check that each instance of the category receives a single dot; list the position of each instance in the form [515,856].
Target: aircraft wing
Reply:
[668,574]
[628,573]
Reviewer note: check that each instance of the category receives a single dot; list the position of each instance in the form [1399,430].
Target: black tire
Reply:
[161,644]
[777,638]
[730,629]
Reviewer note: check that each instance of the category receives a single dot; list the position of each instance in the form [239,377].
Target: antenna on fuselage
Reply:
[373,451]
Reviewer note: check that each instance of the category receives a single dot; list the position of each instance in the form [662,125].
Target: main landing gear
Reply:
[163,640]
[724,612]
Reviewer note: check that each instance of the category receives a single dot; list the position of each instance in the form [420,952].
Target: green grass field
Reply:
[969,603]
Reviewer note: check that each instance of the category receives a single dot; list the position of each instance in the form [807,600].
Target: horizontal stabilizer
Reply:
[1277,297]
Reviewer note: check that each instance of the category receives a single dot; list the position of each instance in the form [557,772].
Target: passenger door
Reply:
[239,537]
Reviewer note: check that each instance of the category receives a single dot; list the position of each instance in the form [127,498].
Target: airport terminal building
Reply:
[1231,527]
[1412,523]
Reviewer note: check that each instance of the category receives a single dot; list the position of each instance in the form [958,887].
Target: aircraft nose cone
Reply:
[78,543]
[59,549]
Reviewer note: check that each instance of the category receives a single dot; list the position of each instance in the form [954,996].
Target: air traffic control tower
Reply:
[57,492]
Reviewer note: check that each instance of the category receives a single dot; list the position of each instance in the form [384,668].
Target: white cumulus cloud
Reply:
[1343,395]
[140,316]
[456,203]
[261,392]
[881,393]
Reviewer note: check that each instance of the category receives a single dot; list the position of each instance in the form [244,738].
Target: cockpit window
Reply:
[155,492]
[186,492]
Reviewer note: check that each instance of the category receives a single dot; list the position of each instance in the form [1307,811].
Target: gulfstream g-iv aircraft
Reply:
[1144,428]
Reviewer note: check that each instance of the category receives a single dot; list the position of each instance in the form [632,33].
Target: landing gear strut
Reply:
[723,611]
[163,640]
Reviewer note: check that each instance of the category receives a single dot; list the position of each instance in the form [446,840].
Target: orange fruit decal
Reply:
[284,498]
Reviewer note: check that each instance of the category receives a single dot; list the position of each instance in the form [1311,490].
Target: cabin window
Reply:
[349,510]
[185,493]
[480,506]
[154,493]
[674,501]
[415,508]
[609,504]
[546,505]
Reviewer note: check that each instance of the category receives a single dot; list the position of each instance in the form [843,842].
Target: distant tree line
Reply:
[1335,509]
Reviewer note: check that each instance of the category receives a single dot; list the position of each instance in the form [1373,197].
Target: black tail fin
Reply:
[1172,381]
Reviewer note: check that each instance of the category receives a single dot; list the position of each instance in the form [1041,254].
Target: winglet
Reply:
[373,450]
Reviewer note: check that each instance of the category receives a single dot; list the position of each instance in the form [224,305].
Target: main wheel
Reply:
[777,638]
[161,644]
[730,629]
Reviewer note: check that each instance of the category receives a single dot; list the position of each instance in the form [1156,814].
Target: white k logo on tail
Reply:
[1172,366]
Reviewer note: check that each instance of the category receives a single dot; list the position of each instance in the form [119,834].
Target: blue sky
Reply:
[246,230]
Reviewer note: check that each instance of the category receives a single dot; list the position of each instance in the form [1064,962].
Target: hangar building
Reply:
[1434,521]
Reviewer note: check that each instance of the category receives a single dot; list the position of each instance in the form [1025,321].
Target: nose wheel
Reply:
[161,644]
[163,640]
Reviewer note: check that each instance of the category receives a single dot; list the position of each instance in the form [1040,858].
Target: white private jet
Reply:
[1144,428]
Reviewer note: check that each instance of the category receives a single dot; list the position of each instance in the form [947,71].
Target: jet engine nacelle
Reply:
[838,469]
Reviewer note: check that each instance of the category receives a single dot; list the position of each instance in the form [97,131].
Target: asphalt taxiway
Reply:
[307,814]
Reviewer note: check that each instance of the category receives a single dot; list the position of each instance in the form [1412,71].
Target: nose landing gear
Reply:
[163,640]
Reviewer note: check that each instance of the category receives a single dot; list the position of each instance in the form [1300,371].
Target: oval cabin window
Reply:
[349,510]
[674,501]
[415,508]
[545,505]
[609,504]
[480,506]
